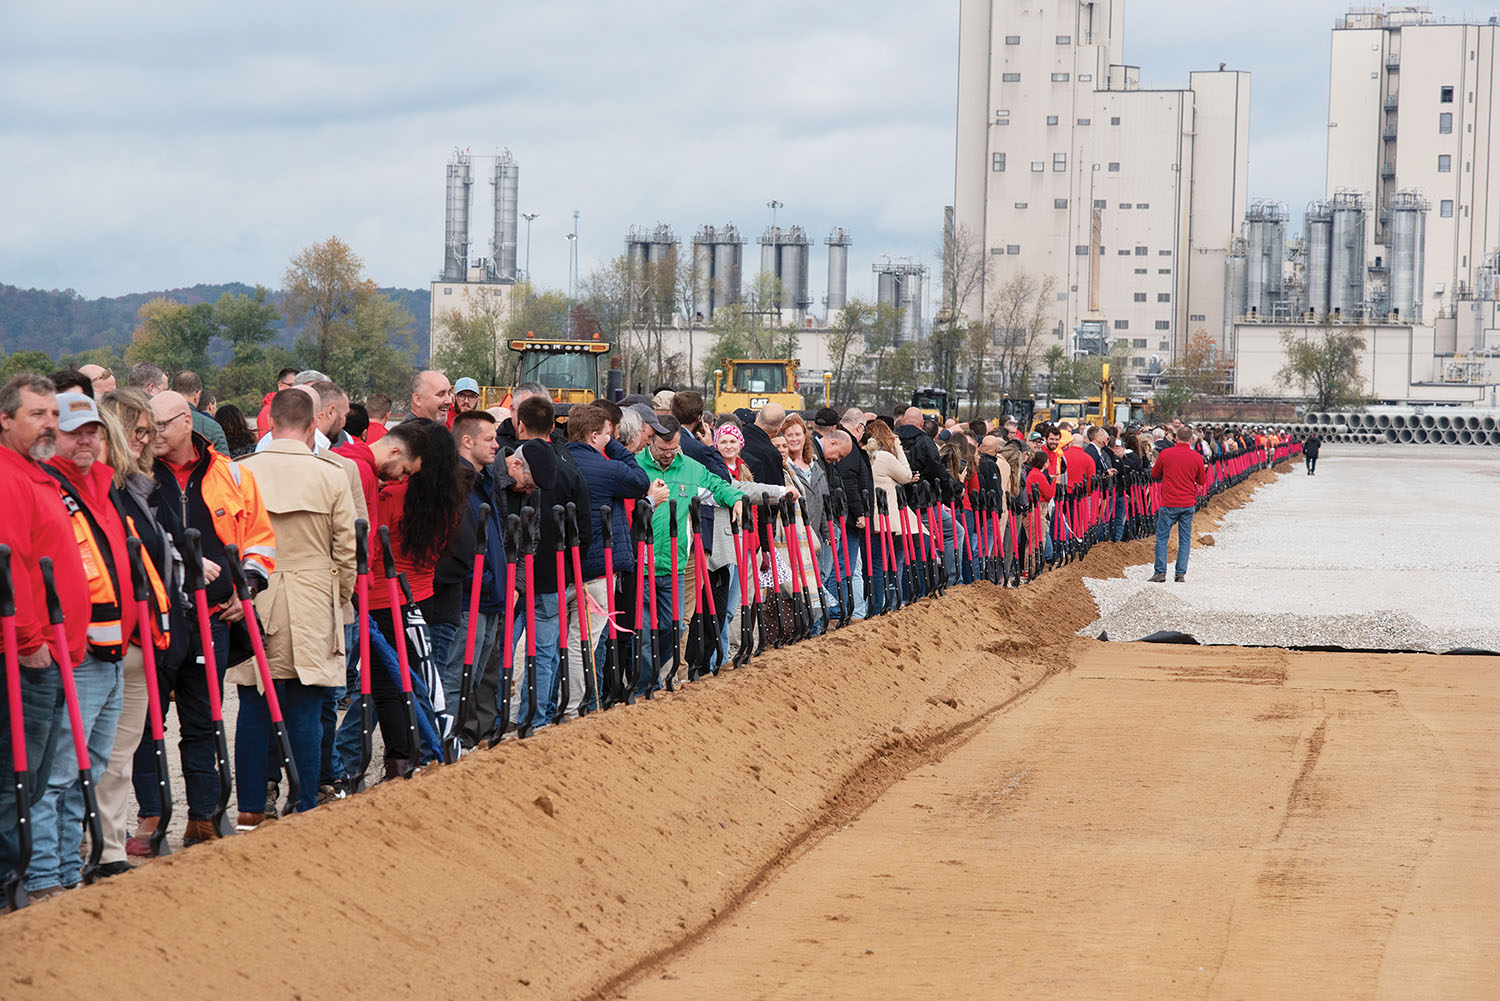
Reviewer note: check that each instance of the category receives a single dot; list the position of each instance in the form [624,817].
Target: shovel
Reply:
[528,550]
[75,718]
[741,561]
[366,700]
[807,531]
[408,701]
[508,652]
[465,703]
[15,887]
[143,613]
[564,690]
[258,646]
[193,558]
[615,691]
[585,628]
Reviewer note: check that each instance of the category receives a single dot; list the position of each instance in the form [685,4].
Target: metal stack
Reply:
[506,182]
[1317,256]
[1406,236]
[900,286]
[1265,257]
[717,260]
[784,256]
[456,219]
[838,270]
[1346,275]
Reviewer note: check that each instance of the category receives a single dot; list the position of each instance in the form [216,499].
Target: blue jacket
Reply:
[611,478]
[493,580]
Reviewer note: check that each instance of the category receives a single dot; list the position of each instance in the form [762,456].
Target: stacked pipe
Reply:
[1406,426]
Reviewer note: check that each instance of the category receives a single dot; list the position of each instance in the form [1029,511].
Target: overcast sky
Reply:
[161,143]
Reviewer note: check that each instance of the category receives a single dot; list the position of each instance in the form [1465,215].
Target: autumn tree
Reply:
[1200,370]
[323,287]
[844,340]
[1325,365]
[172,335]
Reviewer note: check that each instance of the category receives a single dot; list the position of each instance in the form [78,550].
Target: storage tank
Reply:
[1346,273]
[717,255]
[885,289]
[456,219]
[1317,247]
[911,306]
[506,182]
[838,270]
[1234,282]
[1405,238]
[1265,253]
[784,256]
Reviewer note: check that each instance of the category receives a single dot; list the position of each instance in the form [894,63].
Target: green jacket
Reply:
[684,478]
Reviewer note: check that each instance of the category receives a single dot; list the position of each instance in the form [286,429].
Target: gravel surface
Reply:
[1390,549]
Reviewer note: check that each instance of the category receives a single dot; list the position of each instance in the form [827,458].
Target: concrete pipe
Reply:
[1392,436]
[1355,421]
[1488,424]
[1472,423]
[1494,437]
[1383,421]
[1428,422]
[1465,437]
[1444,422]
[1450,437]
[1404,436]
[1418,436]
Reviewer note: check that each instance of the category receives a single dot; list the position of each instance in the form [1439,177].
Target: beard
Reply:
[44,448]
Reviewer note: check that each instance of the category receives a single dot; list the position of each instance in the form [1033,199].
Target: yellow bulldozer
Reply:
[751,383]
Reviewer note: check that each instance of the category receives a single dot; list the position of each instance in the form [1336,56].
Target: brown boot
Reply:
[249,822]
[199,831]
[139,843]
[396,768]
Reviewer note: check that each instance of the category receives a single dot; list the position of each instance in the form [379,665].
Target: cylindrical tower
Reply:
[1346,282]
[1265,252]
[506,182]
[838,269]
[1405,238]
[1234,282]
[1317,247]
[456,219]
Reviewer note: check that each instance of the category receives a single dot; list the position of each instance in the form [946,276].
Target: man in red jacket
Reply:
[263,420]
[34,525]
[1181,471]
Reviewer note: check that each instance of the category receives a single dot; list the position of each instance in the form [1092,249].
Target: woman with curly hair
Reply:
[236,430]
[422,512]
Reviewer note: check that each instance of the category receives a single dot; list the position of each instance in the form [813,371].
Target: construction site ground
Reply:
[965,798]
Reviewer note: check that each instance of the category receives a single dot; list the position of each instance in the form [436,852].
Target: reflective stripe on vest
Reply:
[106,634]
[161,632]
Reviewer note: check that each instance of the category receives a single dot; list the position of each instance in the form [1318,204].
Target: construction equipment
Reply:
[751,383]
[933,401]
[568,368]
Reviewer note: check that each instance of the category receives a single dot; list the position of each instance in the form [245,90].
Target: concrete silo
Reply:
[717,261]
[506,182]
[1318,246]
[1405,237]
[784,255]
[838,270]
[1346,273]
[456,219]
[1265,256]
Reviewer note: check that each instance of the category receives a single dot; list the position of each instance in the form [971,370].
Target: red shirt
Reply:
[376,431]
[359,453]
[1181,470]
[1081,466]
[391,505]
[1040,478]
[263,419]
[35,524]
[184,471]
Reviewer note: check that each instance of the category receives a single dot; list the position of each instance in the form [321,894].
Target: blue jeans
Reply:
[547,640]
[486,636]
[302,711]
[855,584]
[1117,532]
[57,818]
[346,743]
[1183,517]
[42,707]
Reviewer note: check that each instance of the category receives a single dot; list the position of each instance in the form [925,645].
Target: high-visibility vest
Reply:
[106,633]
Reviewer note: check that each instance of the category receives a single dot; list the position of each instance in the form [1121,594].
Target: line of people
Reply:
[464,575]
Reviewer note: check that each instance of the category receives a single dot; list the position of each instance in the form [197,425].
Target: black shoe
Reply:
[1180,578]
[1159,578]
[113,868]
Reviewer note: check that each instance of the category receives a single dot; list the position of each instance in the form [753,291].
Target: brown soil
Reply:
[577,863]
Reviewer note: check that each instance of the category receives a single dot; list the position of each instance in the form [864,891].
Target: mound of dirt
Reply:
[563,865]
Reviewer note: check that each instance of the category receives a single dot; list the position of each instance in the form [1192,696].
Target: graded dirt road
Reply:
[1159,822]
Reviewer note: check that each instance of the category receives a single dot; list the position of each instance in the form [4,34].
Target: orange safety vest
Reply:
[106,634]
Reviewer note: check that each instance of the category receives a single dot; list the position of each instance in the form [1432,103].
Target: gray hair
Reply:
[628,432]
[308,376]
[145,374]
[526,390]
[10,395]
[327,392]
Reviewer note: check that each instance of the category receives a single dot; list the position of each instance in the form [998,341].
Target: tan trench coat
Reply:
[312,513]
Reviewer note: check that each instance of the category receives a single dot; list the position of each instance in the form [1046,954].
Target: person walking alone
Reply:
[1181,472]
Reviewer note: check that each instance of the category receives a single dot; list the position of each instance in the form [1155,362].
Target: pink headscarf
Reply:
[730,431]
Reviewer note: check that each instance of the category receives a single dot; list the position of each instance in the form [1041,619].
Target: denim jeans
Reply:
[446,640]
[856,583]
[1117,529]
[302,711]
[57,818]
[1165,518]
[546,661]
[42,707]
[346,743]
[1311,461]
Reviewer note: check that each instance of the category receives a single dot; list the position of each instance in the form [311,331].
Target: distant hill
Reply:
[61,322]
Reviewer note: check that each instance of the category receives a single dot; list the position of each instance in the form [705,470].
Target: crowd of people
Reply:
[467,575]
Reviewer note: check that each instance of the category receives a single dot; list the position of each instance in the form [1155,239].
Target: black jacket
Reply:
[761,456]
[857,479]
[922,454]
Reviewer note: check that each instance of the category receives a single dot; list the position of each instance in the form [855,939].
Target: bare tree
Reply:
[1020,313]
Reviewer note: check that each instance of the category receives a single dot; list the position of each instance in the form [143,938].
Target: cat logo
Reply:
[758,402]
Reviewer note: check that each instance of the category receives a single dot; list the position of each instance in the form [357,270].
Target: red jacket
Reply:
[35,524]
[1081,466]
[391,506]
[1181,471]
[1039,477]
[359,453]
[263,422]
[93,488]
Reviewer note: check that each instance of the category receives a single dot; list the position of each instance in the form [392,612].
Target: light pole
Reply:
[529,217]
[773,205]
[572,271]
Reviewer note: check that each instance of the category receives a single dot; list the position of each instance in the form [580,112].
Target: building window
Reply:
[1060,162]
[1137,363]
[1139,297]
[1445,95]
[1122,253]
[1010,78]
[1037,166]
[1195,318]
[1115,120]
[1124,205]
[1085,121]
[1138,342]
[1164,297]
[1445,163]
[1163,271]
[1140,251]
[1081,249]
[1086,77]
[997,162]
[1051,119]
[1142,205]
[1100,203]
[1059,203]
[1160,325]
[1164,346]
[1445,208]
[1140,271]
[1114,167]
[1062,297]
[1122,324]
[1012,39]
[997,250]
[1012,248]
[1445,123]
[1163,253]
[1023,205]
[449,291]
[1059,78]
[1064,39]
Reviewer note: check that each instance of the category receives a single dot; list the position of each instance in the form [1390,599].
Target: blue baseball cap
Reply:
[466,385]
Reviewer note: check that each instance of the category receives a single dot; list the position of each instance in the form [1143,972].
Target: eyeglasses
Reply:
[163,425]
[142,433]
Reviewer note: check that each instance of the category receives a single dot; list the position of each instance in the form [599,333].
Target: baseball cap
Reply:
[74,410]
[542,460]
[661,424]
[466,385]
[826,417]
[1034,436]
